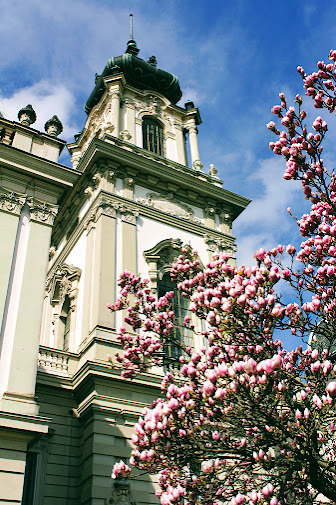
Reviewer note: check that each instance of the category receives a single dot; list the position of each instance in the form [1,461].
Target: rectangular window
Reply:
[29,484]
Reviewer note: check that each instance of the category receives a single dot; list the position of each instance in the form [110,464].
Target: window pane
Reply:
[29,486]
[180,307]
[152,136]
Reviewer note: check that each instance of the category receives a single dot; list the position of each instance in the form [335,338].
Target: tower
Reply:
[129,201]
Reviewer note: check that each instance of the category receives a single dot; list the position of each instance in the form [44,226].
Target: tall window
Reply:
[180,306]
[152,136]
[29,486]
[64,326]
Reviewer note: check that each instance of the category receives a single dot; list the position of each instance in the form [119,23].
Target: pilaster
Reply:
[100,276]
[130,118]
[128,230]
[18,352]
[180,144]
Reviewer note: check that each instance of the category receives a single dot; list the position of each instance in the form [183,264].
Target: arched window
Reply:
[180,306]
[152,136]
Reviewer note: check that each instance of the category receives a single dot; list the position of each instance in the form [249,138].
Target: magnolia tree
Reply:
[243,420]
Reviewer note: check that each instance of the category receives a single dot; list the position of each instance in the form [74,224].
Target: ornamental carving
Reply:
[62,282]
[104,206]
[170,205]
[12,202]
[102,171]
[160,259]
[209,212]
[121,493]
[215,244]
[128,215]
[40,211]
[226,218]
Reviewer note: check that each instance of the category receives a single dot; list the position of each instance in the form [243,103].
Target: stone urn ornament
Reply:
[53,126]
[27,115]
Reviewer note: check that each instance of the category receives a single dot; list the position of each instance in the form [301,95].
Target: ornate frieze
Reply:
[170,205]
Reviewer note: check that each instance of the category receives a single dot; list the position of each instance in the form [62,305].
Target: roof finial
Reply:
[131,26]
[131,44]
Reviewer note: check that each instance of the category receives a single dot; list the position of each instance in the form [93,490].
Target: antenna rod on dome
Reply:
[131,27]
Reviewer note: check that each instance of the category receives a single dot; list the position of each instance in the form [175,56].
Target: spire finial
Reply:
[131,44]
[131,27]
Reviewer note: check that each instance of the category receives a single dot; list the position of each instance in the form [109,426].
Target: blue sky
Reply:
[232,59]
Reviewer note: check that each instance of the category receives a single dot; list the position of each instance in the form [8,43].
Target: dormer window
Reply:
[152,136]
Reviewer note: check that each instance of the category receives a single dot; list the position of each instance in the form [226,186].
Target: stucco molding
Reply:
[128,214]
[88,222]
[121,493]
[62,283]
[40,211]
[11,202]
[169,204]
[215,244]
[160,259]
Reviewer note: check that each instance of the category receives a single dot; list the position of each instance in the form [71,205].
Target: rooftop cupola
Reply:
[134,104]
[141,74]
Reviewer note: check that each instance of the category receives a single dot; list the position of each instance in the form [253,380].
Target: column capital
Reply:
[42,212]
[11,202]
[128,215]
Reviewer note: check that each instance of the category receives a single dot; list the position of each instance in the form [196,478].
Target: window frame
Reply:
[156,140]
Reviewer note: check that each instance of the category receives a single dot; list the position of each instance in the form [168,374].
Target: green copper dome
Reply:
[138,73]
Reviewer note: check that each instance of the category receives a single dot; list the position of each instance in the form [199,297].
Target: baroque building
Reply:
[129,201]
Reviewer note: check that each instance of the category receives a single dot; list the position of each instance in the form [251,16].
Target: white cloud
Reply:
[47,100]
[265,222]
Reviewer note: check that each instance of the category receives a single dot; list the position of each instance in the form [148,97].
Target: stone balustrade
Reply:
[56,361]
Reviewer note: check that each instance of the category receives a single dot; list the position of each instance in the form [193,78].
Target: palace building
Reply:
[129,201]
